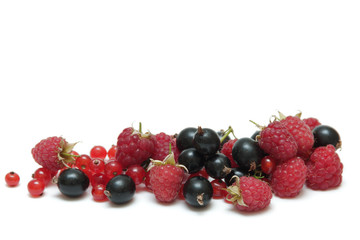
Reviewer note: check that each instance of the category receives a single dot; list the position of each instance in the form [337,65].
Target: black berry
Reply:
[229,180]
[247,154]
[324,135]
[206,141]
[198,191]
[191,159]
[72,182]
[184,139]
[218,166]
[120,189]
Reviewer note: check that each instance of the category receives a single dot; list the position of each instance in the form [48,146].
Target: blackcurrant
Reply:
[198,191]
[120,189]
[255,134]
[234,172]
[72,182]
[324,135]
[218,166]
[192,160]
[206,141]
[185,138]
[247,154]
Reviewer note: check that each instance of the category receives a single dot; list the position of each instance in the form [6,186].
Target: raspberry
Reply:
[227,151]
[276,140]
[249,194]
[324,169]
[312,122]
[166,179]
[134,147]
[53,153]
[301,133]
[289,178]
[162,142]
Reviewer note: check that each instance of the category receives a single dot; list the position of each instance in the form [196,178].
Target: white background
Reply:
[85,70]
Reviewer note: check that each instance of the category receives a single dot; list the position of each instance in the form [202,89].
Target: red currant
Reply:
[137,173]
[98,193]
[268,164]
[219,187]
[97,165]
[36,187]
[201,173]
[98,152]
[12,179]
[43,174]
[83,163]
[112,152]
[112,169]
[75,154]
[98,179]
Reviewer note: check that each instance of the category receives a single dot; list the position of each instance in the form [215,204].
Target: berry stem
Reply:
[200,131]
[69,155]
[226,133]
[140,127]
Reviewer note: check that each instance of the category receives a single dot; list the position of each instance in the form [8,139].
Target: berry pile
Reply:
[196,165]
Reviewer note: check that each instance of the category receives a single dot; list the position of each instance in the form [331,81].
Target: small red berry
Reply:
[219,188]
[12,179]
[97,165]
[112,169]
[98,152]
[268,164]
[83,163]
[43,174]
[97,179]
[98,193]
[137,173]
[112,152]
[36,187]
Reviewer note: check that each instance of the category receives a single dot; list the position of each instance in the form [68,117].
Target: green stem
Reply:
[69,155]
[140,130]
[226,133]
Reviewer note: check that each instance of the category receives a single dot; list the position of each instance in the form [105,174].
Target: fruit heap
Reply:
[196,165]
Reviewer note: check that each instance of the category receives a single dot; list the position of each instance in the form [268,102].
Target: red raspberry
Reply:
[249,194]
[227,151]
[301,133]
[289,178]
[166,179]
[134,147]
[53,152]
[312,122]
[324,169]
[162,142]
[276,140]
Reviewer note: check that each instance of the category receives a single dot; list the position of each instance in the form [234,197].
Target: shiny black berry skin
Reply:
[192,160]
[221,134]
[234,171]
[255,134]
[120,189]
[72,182]
[247,154]
[184,139]
[324,135]
[218,166]
[198,192]
[206,141]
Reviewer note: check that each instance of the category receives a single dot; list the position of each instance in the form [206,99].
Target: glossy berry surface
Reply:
[206,141]
[268,164]
[120,189]
[98,193]
[98,179]
[219,189]
[325,135]
[83,163]
[192,160]
[185,138]
[198,192]
[218,166]
[36,187]
[112,152]
[72,182]
[229,179]
[97,165]
[112,169]
[98,152]
[137,173]
[43,174]
[247,154]
[12,179]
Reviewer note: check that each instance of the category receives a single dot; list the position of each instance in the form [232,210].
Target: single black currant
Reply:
[120,189]
[206,141]
[255,134]
[185,138]
[229,180]
[192,160]
[324,135]
[198,192]
[247,154]
[72,182]
[218,166]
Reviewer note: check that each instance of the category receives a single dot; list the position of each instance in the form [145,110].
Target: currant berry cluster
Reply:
[196,165]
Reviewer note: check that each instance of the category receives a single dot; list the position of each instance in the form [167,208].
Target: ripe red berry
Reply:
[83,163]
[36,187]
[98,193]
[97,165]
[312,122]
[162,142]
[137,173]
[43,174]
[12,179]
[219,189]
[98,152]
[268,164]
[112,152]
[112,169]
[98,179]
